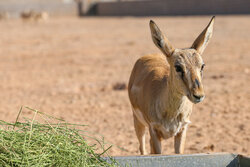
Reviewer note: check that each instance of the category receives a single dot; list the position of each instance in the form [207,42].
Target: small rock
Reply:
[241,126]
[209,147]
[198,134]
[119,86]
[131,43]
[217,76]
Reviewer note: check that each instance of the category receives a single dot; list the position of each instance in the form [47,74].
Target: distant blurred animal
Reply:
[42,16]
[27,14]
[32,15]
[163,88]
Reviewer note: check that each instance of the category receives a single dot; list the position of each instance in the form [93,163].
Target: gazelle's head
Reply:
[186,65]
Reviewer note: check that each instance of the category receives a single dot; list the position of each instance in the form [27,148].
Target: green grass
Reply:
[30,143]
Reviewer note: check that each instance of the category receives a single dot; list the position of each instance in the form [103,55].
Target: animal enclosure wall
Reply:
[173,7]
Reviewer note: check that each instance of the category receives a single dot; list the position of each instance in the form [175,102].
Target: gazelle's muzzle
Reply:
[196,93]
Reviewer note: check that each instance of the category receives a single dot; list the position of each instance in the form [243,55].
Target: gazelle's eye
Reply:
[202,67]
[178,68]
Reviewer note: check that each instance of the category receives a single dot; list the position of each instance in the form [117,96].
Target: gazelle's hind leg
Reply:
[140,130]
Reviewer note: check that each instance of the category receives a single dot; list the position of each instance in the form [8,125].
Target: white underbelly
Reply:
[171,128]
[168,128]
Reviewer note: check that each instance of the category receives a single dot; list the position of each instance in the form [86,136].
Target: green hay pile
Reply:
[30,143]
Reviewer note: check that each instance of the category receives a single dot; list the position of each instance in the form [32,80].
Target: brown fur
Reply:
[161,96]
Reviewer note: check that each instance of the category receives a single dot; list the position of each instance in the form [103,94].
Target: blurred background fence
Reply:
[124,7]
[54,7]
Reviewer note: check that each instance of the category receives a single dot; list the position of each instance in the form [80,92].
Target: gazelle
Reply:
[163,88]
[33,15]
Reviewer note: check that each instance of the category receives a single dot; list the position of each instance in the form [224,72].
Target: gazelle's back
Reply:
[148,78]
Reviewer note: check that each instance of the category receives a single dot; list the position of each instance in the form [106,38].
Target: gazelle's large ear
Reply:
[160,40]
[203,39]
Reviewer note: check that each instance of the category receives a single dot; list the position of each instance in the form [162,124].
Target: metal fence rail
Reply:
[192,160]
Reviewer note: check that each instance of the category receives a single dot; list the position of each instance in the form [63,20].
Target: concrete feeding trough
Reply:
[191,160]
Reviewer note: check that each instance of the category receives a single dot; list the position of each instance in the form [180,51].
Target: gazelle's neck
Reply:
[175,102]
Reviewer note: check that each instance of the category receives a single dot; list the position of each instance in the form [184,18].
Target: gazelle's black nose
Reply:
[198,98]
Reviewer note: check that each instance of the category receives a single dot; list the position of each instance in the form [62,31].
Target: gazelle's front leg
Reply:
[155,141]
[179,141]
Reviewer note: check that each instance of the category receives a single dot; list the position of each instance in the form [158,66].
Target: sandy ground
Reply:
[67,67]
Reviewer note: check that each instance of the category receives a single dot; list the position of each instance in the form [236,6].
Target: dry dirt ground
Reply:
[67,67]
